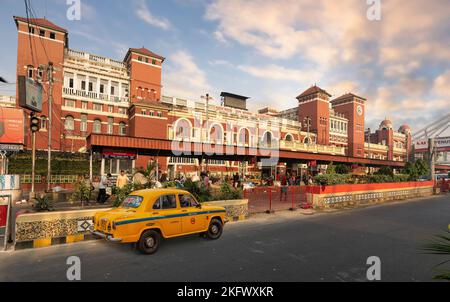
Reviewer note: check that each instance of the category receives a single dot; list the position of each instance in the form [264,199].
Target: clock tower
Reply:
[353,108]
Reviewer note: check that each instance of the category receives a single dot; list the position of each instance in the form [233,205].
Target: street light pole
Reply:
[307,120]
[50,101]
[33,160]
[207,98]
[431,151]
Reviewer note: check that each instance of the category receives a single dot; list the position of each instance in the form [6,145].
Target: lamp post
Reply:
[307,121]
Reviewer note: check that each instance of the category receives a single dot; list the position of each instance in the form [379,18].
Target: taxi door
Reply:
[191,219]
[166,208]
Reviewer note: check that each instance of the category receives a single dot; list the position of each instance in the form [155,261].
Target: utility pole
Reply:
[207,98]
[369,155]
[34,126]
[432,156]
[50,101]
[307,120]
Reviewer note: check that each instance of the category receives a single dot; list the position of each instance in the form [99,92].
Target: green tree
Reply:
[423,168]
[342,169]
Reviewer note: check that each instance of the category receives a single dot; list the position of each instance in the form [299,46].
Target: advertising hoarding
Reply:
[12,126]
[30,94]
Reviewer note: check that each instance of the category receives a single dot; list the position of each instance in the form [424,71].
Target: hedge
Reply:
[339,179]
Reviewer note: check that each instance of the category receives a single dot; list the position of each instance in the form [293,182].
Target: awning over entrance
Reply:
[163,147]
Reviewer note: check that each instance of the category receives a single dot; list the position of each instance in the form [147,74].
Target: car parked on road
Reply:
[146,216]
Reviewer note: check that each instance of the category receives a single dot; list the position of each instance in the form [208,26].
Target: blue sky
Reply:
[271,50]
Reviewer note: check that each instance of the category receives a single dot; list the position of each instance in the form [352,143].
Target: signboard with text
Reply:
[30,94]
[12,126]
[440,143]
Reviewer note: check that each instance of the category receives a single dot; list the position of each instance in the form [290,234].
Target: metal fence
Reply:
[268,199]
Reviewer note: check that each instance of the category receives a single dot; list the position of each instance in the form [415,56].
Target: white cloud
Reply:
[280,73]
[384,61]
[88,12]
[442,85]
[183,78]
[144,13]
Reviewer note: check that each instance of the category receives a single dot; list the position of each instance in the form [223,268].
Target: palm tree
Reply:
[440,245]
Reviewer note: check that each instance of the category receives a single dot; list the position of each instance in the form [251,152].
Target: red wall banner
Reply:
[12,126]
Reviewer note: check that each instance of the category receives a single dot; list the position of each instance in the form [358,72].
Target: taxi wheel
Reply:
[215,229]
[149,242]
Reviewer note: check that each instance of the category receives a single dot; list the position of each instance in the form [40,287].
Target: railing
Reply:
[94,95]
[94,58]
[368,146]
[275,198]
[313,148]
[282,145]
[399,150]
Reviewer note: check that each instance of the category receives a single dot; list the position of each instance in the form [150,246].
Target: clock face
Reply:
[359,110]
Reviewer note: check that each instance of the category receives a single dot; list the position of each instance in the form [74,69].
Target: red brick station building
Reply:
[116,110]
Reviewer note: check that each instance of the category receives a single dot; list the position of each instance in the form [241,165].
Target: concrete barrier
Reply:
[322,197]
[34,230]
[236,209]
[42,229]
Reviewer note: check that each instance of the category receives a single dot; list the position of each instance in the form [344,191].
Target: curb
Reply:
[237,218]
[45,242]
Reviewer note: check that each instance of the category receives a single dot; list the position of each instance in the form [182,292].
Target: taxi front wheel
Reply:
[215,229]
[149,242]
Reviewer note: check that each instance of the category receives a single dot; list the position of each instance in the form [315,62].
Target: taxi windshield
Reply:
[132,201]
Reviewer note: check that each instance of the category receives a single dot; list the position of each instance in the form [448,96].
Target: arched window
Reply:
[215,134]
[244,137]
[267,139]
[30,69]
[122,128]
[69,123]
[307,140]
[183,129]
[289,138]
[97,126]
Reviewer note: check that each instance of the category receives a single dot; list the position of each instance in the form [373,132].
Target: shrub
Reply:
[42,203]
[342,169]
[170,184]
[122,193]
[82,192]
[379,178]
[332,179]
[227,192]
[401,177]
[198,189]
[384,170]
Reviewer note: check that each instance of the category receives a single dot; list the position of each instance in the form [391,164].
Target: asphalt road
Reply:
[281,247]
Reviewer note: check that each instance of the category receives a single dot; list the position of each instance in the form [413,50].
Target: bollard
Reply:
[270,210]
[293,208]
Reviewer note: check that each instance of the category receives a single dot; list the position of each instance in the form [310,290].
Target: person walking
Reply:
[235,180]
[206,180]
[122,179]
[103,184]
[284,187]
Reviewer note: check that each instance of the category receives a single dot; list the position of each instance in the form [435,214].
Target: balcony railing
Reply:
[376,147]
[282,145]
[94,58]
[313,148]
[94,95]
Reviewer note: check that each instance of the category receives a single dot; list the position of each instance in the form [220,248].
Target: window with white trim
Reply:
[69,123]
[97,128]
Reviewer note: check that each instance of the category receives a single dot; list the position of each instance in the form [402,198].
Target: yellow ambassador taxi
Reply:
[146,216]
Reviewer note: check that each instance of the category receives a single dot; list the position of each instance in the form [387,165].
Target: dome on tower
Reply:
[405,129]
[386,124]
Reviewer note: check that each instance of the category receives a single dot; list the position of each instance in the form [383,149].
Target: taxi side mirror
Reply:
[199,206]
